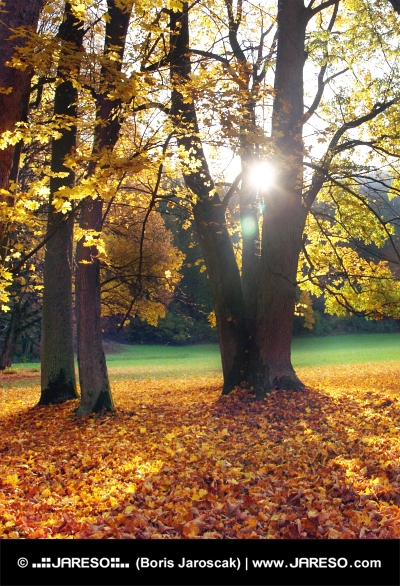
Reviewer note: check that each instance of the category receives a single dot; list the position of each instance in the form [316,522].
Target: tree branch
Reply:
[320,8]
[231,191]
[323,171]
[321,83]
[358,122]
[360,198]
[210,55]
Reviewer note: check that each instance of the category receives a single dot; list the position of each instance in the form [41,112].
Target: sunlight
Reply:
[262,175]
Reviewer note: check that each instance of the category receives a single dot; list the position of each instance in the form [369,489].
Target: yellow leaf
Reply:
[197,496]
[12,479]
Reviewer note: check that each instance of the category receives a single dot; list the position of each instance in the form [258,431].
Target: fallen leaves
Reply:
[179,460]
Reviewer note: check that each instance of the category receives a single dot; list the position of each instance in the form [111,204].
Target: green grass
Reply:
[351,349]
[138,362]
[141,362]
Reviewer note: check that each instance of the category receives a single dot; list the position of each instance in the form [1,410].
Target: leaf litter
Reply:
[177,460]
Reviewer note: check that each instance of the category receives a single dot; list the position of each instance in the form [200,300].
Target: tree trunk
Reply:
[93,377]
[10,339]
[14,105]
[396,5]
[95,387]
[226,291]
[209,216]
[58,370]
[251,246]
[284,215]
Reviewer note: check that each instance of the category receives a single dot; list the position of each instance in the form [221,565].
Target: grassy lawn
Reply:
[352,349]
[139,362]
[159,362]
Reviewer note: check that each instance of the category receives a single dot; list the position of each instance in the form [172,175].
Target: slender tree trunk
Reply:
[248,83]
[209,215]
[251,245]
[58,370]
[95,387]
[226,291]
[284,216]
[10,339]
[13,105]
[93,377]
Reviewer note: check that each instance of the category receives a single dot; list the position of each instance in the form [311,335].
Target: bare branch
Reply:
[321,83]
[233,29]
[378,109]
[323,171]
[210,55]
[320,8]
[231,191]
[360,198]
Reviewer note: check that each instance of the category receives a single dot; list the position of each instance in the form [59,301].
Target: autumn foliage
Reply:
[178,460]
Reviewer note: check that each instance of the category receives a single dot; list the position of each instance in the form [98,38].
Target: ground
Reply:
[178,460]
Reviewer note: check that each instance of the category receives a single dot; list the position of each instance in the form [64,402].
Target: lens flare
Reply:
[262,174]
[249,226]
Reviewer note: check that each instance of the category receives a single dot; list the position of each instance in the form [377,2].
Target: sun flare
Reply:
[262,174]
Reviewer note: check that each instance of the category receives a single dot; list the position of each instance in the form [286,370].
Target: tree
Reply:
[57,360]
[17,19]
[93,377]
[251,91]
[139,270]
[24,316]
[269,292]
[94,100]
[208,212]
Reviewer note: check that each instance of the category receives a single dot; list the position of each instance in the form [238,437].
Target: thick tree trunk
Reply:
[270,364]
[284,215]
[58,371]
[209,215]
[57,351]
[93,377]
[13,105]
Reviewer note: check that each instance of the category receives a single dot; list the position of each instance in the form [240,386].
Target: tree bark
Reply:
[284,215]
[10,339]
[249,217]
[13,105]
[209,216]
[93,377]
[396,5]
[57,364]
[226,289]
[248,204]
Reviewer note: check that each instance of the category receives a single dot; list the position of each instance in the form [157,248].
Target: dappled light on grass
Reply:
[178,460]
